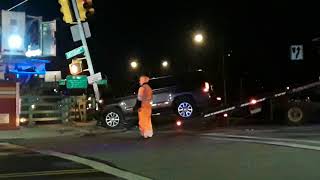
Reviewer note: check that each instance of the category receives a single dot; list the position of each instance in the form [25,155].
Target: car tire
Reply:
[296,116]
[112,119]
[185,108]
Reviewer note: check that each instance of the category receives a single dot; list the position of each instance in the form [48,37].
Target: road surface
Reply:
[239,153]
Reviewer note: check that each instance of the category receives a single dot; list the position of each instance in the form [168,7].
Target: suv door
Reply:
[163,89]
[129,98]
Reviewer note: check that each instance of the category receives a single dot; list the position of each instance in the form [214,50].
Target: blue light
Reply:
[23,72]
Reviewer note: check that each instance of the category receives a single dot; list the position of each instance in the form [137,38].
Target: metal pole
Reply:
[86,50]
[17,5]
[241,89]
[41,35]
[271,110]
[224,81]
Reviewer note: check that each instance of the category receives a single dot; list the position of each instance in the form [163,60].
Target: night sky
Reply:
[258,33]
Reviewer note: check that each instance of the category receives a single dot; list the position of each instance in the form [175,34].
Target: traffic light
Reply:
[75,67]
[66,10]
[85,9]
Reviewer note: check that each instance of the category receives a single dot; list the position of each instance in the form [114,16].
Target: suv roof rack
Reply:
[161,77]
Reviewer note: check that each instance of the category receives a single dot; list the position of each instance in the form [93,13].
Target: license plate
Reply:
[255,111]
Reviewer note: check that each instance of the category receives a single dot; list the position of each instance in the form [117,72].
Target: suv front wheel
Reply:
[185,108]
[112,118]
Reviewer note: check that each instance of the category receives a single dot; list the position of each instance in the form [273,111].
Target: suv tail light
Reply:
[253,101]
[206,87]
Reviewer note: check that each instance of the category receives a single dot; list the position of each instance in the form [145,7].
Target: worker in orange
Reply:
[145,110]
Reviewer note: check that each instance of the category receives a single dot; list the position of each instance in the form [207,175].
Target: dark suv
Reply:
[184,95]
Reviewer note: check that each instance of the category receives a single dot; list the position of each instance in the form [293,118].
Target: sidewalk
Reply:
[55,130]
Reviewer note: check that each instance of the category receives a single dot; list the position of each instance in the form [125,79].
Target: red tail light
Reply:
[206,87]
[179,123]
[253,101]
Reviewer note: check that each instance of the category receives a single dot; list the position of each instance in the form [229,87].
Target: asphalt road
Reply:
[239,153]
[21,163]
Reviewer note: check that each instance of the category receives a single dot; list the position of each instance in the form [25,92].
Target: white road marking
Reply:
[91,163]
[13,146]
[95,165]
[274,142]
[10,149]
[47,173]
[261,138]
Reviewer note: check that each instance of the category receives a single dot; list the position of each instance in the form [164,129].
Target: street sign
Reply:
[62,82]
[94,78]
[102,82]
[296,52]
[76,34]
[48,38]
[74,52]
[52,76]
[77,82]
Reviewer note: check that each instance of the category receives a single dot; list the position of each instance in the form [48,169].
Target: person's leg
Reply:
[149,132]
[140,116]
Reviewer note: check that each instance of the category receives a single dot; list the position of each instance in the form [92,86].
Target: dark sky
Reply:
[258,33]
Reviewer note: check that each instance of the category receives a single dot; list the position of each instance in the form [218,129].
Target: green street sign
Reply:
[102,82]
[75,52]
[77,82]
[62,82]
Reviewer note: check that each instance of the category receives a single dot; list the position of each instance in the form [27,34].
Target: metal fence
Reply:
[53,108]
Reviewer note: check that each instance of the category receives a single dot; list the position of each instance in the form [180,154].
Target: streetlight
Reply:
[165,64]
[198,38]
[134,64]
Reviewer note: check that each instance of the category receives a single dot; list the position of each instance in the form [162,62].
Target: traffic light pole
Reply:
[85,46]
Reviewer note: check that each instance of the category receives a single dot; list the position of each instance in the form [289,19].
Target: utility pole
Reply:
[86,50]
[224,80]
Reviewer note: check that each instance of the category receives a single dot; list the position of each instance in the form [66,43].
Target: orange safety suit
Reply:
[144,112]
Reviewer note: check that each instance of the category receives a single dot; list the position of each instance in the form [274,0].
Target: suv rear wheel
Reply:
[185,107]
[112,118]
[295,115]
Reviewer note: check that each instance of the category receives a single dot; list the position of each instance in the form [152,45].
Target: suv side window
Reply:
[312,94]
[162,82]
[190,81]
[133,89]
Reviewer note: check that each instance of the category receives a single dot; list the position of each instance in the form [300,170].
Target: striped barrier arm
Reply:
[295,90]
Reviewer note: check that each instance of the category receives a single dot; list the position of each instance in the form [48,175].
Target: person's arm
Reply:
[139,99]
[141,94]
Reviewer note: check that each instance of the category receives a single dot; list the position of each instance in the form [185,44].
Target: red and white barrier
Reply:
[254,101]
